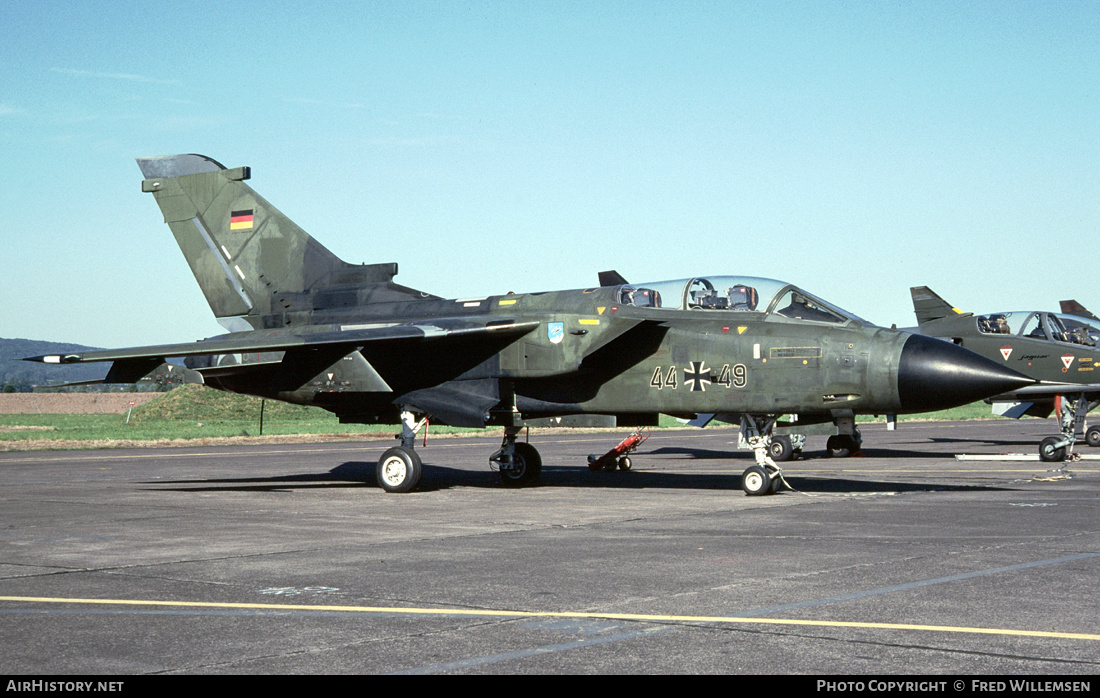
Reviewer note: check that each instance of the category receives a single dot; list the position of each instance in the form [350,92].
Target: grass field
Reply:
[194,415]
[189,414]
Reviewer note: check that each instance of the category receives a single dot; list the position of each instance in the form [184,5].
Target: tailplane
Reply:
[250,260]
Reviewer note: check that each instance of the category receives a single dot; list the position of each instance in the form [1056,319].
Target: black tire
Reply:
[526,467]
[399,470]
[755,481]
[1092,436]
[624,463]
[780,449]
[1048,452]
[777,485]
[840,446]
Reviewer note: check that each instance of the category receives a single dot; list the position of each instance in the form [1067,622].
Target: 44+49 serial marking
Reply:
[698,377]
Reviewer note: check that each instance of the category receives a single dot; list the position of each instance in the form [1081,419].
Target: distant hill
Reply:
[25,374]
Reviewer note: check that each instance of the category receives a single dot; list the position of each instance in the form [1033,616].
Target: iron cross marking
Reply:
[698,376]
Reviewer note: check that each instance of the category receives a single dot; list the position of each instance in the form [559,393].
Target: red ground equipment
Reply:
[617,457]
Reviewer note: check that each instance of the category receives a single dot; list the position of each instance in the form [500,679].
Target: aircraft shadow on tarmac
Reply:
[695,453]
[439,478]
[346,475]
[873,452]
[1026,442]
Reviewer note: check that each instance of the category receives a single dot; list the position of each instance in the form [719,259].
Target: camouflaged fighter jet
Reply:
[309,328]
[1072,307]
[1060,349]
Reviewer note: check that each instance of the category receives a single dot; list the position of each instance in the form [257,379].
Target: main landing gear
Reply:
[519,463]
[843,445]
[785,447]
[399,469]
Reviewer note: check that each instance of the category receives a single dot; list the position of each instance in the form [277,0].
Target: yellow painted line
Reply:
[558,614]
[589,321]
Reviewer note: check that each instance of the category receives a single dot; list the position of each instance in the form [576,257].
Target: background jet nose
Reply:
[934,375]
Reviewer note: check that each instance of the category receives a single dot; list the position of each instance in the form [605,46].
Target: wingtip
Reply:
[54,358]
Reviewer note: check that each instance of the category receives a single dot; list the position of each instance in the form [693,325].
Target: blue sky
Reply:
[856,149]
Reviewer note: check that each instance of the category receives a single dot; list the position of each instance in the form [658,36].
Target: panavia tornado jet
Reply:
[308,328]
[1060,349]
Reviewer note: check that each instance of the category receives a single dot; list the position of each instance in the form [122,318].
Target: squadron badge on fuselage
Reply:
[555,332]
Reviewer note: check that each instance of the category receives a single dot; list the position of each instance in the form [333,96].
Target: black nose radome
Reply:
[934,375]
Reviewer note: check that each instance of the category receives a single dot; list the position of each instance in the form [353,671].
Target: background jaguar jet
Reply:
[1060,349]
[307,327]
[1072,307]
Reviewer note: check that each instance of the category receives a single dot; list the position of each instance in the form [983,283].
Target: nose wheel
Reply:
[760,480]
[1060,448]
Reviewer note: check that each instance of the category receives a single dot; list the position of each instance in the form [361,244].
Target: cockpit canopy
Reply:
[734,294]
[1055,327]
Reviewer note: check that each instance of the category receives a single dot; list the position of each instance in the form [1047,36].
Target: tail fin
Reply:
[250,260]
[928,306]
[1075,308]
[612,278]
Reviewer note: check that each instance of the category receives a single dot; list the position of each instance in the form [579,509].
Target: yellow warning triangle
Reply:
[600,309]
[741,329]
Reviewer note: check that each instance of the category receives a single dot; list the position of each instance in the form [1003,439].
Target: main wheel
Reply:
[841,446]
[755,481]
[780,448]
[526,466]
[399,470]
[838,447]
[1048,452]
[1092,436]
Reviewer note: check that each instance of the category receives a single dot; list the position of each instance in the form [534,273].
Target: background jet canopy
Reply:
[1040,325]
[735,293]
